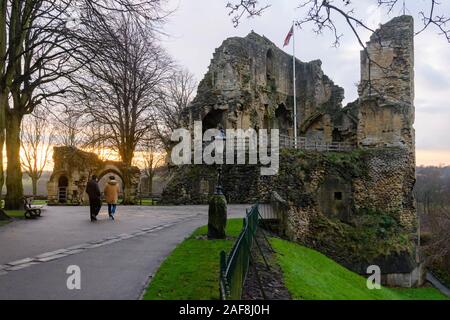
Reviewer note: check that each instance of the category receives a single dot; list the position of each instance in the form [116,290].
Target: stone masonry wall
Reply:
[357,206]
[387,86]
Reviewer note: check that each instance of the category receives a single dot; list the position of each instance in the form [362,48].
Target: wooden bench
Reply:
[31,212]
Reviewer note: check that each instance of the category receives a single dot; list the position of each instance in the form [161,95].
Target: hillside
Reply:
[309,275]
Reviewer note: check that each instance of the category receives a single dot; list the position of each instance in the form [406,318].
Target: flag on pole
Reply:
[289,36]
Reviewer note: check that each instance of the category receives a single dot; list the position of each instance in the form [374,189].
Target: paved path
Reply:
[437,284]
[116,258]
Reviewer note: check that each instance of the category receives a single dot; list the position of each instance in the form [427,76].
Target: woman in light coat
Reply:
[112,195]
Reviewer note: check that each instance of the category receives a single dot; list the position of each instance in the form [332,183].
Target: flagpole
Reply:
[295,86]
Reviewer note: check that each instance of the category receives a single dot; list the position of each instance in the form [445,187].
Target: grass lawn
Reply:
[15,213]
[39,202]
[309,275]
[191,272]
[147,202]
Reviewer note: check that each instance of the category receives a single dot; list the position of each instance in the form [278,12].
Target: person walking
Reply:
[95,201]
[112,195]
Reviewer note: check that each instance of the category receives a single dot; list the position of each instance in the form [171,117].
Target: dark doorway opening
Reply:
[63,183]
[283,119]
[213,119]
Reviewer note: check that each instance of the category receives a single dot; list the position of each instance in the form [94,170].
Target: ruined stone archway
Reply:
[108,169]
[103,178]
[78,167]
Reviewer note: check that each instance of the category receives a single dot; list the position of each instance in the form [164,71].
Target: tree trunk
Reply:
[2,172]
[34,182]
[14,187]
[150,184]
[128,197]
[3,106]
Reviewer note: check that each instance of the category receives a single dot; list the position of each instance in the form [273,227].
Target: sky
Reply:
[198,27]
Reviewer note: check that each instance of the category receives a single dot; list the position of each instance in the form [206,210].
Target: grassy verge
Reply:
[147,202]
[39,202]
[17,214]
[309,275]
[191,272]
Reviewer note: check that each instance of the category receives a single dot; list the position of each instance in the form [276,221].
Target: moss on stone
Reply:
[368,237]
[217,217]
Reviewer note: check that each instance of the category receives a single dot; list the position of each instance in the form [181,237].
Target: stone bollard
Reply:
[217,217]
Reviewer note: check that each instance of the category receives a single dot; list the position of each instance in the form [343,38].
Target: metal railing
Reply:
[287,142]
[303,143]
[234,267]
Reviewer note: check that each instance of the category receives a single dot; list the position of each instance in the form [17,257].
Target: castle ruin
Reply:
[356,206]
[72,170]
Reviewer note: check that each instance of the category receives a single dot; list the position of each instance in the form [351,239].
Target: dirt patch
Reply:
[264,283]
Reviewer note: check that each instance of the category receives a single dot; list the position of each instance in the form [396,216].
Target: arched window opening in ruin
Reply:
[103,178]
[283,119]
[63,183]
[266,122]
[269,65]
[213,119]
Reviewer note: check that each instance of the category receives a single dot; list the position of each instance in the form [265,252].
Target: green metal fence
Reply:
[234,267]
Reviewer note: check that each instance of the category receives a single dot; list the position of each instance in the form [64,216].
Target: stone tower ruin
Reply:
[355,205]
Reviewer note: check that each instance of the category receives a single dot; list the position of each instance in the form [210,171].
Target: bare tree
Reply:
[93,140]
[38,40]
[35,53]
[439,220]
[68,128]
[119,88]
[432,192]
[151,160]
[322,14]
[37,139]
[175,97]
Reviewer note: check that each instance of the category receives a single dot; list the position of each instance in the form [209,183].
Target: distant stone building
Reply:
[356,206]
[73,168]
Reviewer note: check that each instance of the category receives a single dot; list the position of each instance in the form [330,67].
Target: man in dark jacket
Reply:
[95,201]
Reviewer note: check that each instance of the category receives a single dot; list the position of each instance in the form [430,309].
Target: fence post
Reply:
[223,281]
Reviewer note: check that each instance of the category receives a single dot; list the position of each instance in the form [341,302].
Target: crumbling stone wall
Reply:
[357,206]
[386,112]
[73,168]
[388,184]
[249,85]
[363,219]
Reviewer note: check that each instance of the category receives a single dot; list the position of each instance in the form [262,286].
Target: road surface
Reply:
[116,258]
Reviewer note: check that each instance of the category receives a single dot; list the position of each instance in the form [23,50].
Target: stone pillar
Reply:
[217,217]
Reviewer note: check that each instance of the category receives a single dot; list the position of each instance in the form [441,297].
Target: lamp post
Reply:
[222,136]
[219,188]
[217,211]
